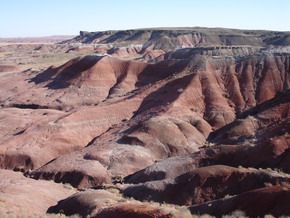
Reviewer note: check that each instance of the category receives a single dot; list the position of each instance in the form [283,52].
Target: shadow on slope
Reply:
[59,77]
[166,95]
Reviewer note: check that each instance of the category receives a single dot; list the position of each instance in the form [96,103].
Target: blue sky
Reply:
[22,18]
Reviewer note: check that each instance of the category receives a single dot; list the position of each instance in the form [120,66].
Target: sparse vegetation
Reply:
[226,95]
[20,214]
[236,214]
[194,109]
[230,103]
[207,144]
[125,119]
[68,186]
[118,180]
[180,90]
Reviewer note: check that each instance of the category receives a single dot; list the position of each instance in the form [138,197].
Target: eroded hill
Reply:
[190,127]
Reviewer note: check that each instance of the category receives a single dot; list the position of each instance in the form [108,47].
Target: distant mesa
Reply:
[43,39]
[174,38]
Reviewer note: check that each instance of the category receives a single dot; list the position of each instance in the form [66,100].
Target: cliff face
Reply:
[174,38]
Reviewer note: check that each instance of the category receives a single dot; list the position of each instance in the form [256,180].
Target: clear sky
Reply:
[22,18]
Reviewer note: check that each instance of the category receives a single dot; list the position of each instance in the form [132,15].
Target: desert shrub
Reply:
[235,214]
[194,109]
[180,90]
